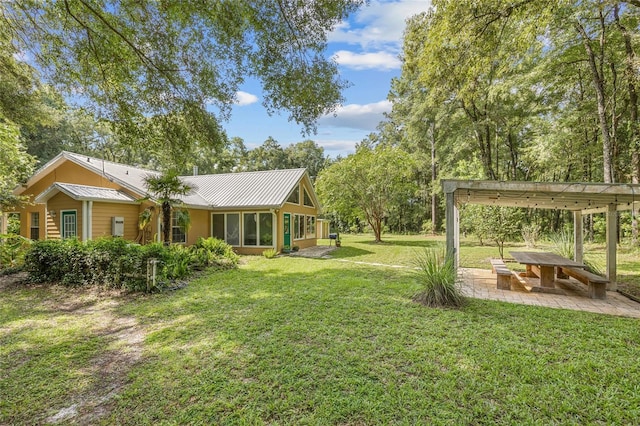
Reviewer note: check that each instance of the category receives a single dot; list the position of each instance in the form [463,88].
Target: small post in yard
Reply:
[152,272]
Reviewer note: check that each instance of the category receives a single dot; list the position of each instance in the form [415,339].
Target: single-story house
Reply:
[78,196]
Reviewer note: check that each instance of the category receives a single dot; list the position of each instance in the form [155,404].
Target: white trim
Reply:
[90,220]
[85,234]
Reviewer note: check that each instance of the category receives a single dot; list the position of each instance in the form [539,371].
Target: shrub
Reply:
[438,276]
[212,251]
[531,234]
[12,251]
[270,253]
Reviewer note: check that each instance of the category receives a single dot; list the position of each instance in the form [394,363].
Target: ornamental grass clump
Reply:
[437,273]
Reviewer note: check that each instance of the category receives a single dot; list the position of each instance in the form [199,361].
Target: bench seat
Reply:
[597,284]
[503,274]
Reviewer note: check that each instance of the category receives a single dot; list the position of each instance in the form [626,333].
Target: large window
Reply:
[311,226]
[35,226]
[177,232]
[217,227]
[226,227]
[266,229]
[294,198]
[298,227]
[258,229]
[307,199]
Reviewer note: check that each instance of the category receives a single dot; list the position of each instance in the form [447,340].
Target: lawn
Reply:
[309,341]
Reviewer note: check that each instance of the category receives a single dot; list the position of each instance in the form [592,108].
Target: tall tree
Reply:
[179,65]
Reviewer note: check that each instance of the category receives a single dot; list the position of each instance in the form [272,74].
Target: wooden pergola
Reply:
[579,198]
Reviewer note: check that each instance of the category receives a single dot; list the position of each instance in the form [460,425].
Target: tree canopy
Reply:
[171,70]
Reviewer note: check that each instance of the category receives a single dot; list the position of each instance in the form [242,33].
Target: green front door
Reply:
[286,241]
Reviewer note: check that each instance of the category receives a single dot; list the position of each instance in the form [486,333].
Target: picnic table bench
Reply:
[503,274]
[597,284]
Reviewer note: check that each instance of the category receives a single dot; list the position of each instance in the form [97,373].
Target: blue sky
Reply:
[366,47]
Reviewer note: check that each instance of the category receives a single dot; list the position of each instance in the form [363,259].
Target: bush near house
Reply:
[117,263]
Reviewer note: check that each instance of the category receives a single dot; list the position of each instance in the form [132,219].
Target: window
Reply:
[250,229]
[177,232]
[232,232]
[311,226]
[307,199]
[35,226]
[217,230]
[69,224]
[295,196]
[266,229]
[298,226]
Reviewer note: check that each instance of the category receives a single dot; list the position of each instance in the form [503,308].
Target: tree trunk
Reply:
[434,176]
[166,222]
[597,75]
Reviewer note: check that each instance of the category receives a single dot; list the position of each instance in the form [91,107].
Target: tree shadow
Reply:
[404,243]
[348,251]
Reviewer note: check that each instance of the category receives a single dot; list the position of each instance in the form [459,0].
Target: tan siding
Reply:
[200,225]
[103,214]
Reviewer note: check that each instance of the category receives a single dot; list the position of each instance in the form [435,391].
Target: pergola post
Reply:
[612,241]
[452,227]
[578,246]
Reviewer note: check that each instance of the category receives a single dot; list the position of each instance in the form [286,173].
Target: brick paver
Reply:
[481,284]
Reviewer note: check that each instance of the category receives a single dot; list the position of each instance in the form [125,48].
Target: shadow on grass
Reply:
[402,243]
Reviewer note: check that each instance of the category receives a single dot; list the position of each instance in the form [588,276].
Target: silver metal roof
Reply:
[262,189]
[83,192]
[247,189]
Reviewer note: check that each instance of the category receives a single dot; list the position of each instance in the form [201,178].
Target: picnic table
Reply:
[543,265]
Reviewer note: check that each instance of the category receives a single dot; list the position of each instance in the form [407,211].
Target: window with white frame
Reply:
[178,235]
[311,226]
[294,198]
[298,227]
[257,229]
[226,227]
[307,199]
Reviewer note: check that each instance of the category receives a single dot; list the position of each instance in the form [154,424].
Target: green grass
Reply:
[313,341]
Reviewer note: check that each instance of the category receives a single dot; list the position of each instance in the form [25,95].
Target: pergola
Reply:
[579,198]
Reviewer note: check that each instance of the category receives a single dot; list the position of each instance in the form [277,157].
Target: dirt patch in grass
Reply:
[108,372]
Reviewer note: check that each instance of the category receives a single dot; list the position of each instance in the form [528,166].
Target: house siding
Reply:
[58,203]
[102,219]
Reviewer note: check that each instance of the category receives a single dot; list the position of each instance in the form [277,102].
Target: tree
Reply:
[306,154]
[179,65]
[164,188]
[15,164]
[268,156]
[369,181]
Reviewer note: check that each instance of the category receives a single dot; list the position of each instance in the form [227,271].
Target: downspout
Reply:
[90,220]
[84,221]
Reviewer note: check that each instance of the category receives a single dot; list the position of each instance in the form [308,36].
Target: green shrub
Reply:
[12,251]
[117,263]
[438,276]
[270,253]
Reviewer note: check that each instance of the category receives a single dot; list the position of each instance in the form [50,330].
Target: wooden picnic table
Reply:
[543,264]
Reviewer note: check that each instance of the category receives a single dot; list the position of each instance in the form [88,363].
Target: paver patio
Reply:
[481,284]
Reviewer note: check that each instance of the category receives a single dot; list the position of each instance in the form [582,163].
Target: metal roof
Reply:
[261,189]
[247,189]
[83,192]
[584,197]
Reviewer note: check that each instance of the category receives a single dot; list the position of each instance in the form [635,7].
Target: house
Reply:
[78,196]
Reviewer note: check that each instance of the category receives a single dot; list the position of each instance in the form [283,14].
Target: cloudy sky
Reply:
[366,47]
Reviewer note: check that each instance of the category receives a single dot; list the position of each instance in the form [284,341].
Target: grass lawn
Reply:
[309,341]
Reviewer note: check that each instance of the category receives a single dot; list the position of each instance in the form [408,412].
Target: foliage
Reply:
[439,279]
[155,70]
[12,251]
[164,189]
[530,234]
[270,253]
[212,251]
[15,164]
[496,223]
[117,263]
[369,183]
[563,244]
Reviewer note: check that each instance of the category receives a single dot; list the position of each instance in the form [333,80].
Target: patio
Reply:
[481,284]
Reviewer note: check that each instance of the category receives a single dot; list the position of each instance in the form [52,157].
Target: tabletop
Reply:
[544,259]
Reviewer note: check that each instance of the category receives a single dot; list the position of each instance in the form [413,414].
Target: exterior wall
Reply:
[200,225]
[101,219]
[59,203]
[299,208]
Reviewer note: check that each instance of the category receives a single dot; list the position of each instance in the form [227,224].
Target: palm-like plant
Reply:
[165,189]
[437,273]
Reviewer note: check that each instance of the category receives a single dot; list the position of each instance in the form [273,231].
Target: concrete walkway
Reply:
[481,284]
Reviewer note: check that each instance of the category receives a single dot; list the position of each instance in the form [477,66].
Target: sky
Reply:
[366,47]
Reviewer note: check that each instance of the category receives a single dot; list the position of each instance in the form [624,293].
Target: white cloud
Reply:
[244,98]
[355,116]
[380,24]
[335,147]
[362,61]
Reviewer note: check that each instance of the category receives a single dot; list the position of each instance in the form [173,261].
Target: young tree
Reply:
[164,189]
[370,180]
